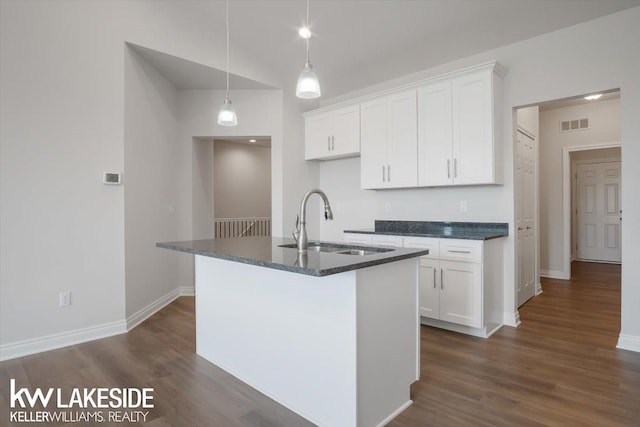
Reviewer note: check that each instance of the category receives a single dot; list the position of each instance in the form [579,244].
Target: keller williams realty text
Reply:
[85,404]
[78,417]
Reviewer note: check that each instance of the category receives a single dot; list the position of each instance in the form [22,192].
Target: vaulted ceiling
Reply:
[358,43]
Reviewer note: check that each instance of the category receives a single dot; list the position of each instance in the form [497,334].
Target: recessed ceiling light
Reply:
[252,140]
[304,32]
[593,97]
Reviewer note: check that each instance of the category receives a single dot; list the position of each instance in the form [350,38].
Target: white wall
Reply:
[548,67]
[604,127]
[62,100]
[242,180]
[61,114]
[152,206]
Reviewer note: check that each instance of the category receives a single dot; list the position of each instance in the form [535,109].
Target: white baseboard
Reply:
[511,319]
[538,289]
[63,339]
[78,336]
[395,413]
[555,274]
[629,342]
[144,313]
[187,291]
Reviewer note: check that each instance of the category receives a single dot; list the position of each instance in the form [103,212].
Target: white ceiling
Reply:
[569,102]
[358,43]
[184,74]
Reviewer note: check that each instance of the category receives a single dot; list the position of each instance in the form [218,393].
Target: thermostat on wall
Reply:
[112,178]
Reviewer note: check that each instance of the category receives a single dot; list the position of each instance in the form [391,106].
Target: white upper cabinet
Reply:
[333,134]
[388,130]
[442,131]
[435,135]
[459,130]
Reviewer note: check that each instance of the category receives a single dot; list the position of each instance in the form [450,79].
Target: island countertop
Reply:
[267,252]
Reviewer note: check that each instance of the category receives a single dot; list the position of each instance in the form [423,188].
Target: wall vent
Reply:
[575,124]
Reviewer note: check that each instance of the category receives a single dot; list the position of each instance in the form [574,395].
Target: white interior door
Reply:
[525,216]
[599,215]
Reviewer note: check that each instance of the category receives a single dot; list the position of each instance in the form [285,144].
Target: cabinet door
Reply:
[345,135]
[429,292]
[472,107]
[402,165]
[373,144]
[435,135]
[317,140]
[461,293]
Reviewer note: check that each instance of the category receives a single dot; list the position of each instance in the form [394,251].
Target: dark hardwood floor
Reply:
[559,368]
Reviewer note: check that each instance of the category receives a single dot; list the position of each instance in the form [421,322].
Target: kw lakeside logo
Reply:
[94,405]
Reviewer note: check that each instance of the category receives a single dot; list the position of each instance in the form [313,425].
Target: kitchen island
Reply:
[332,334]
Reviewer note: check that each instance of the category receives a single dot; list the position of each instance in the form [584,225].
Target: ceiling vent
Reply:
[576,124]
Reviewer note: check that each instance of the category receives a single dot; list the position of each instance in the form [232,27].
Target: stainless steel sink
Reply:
[339,249]
[360,252]
[316,247]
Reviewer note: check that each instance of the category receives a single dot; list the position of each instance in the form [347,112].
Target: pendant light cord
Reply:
[309,32]
[227,19]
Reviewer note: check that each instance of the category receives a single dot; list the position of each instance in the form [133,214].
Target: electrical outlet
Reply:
[463,206]
[387,207]
[65,299]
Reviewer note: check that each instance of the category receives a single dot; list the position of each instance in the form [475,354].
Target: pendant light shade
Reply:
[308,85]
[227,115]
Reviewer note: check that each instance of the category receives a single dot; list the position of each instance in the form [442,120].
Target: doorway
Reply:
[241,187]
[550,140]
[596,215]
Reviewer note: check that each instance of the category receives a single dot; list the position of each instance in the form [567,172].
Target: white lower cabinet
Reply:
[460,281]
[461,293]
[429,288]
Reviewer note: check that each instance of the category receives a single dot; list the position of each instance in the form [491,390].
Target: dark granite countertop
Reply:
[441,230]
[266,252]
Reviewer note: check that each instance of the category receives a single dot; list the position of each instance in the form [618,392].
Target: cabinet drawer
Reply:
[364,239]
[461,250]
[430,243]
[395,241]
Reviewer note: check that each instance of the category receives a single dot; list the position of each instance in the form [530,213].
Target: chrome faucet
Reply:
[300,233]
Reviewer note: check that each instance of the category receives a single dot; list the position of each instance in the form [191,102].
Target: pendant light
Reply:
[308,86]
[227,115]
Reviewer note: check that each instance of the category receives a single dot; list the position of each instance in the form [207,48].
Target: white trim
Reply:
[144,313]
[395,413]
[483,332]
[566,200]
[63,339]
[512,319]
[187,291]
[538,288]
[555,274]
[629,342]
[495,65]
[79,336]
